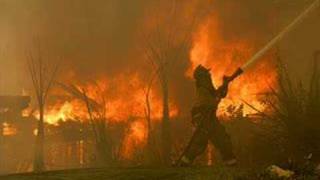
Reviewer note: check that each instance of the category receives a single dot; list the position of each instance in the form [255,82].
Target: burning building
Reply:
[11,111]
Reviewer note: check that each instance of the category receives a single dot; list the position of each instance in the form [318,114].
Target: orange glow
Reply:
[8,129]
[125,97]
[58,113]
[224,57]
[135,139]
[124,100]
[35,132]
[62,111]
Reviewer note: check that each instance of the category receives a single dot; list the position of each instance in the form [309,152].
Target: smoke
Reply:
[101,37]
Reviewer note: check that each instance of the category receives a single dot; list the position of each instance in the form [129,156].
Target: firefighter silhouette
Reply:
[208,128]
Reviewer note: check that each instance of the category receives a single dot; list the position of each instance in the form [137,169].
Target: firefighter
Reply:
[208,128]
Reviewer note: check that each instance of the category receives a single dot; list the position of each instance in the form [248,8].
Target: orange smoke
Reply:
[224,57]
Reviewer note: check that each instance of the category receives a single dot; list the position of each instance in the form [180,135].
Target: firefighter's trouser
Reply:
[209,129]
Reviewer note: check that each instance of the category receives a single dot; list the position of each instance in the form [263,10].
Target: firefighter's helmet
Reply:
[200,71]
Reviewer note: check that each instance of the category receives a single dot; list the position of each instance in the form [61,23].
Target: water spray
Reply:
[275,40]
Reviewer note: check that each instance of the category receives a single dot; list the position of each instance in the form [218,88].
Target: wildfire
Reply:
[59,113]
[124,98]
[134,140]
[225,56]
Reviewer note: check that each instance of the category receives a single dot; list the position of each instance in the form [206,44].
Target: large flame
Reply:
[125,99]
[124,94]
[135,140]
[224,57]
[59,112]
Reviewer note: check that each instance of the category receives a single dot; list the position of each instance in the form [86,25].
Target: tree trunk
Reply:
[105,147]
[166,133]
[1,146]
[38,164]
[314,85]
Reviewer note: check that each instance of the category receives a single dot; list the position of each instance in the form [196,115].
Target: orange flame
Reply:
[135,139]
[125,97]
[8,129]
[56,114]
[225,56]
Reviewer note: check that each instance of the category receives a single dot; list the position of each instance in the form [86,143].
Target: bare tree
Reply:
[97,111]
[150,149]
[42,74]
[169,41]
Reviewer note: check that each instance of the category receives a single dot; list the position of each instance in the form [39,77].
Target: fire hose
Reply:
[273,42]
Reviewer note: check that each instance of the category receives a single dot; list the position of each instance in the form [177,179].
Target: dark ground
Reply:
[134,173]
